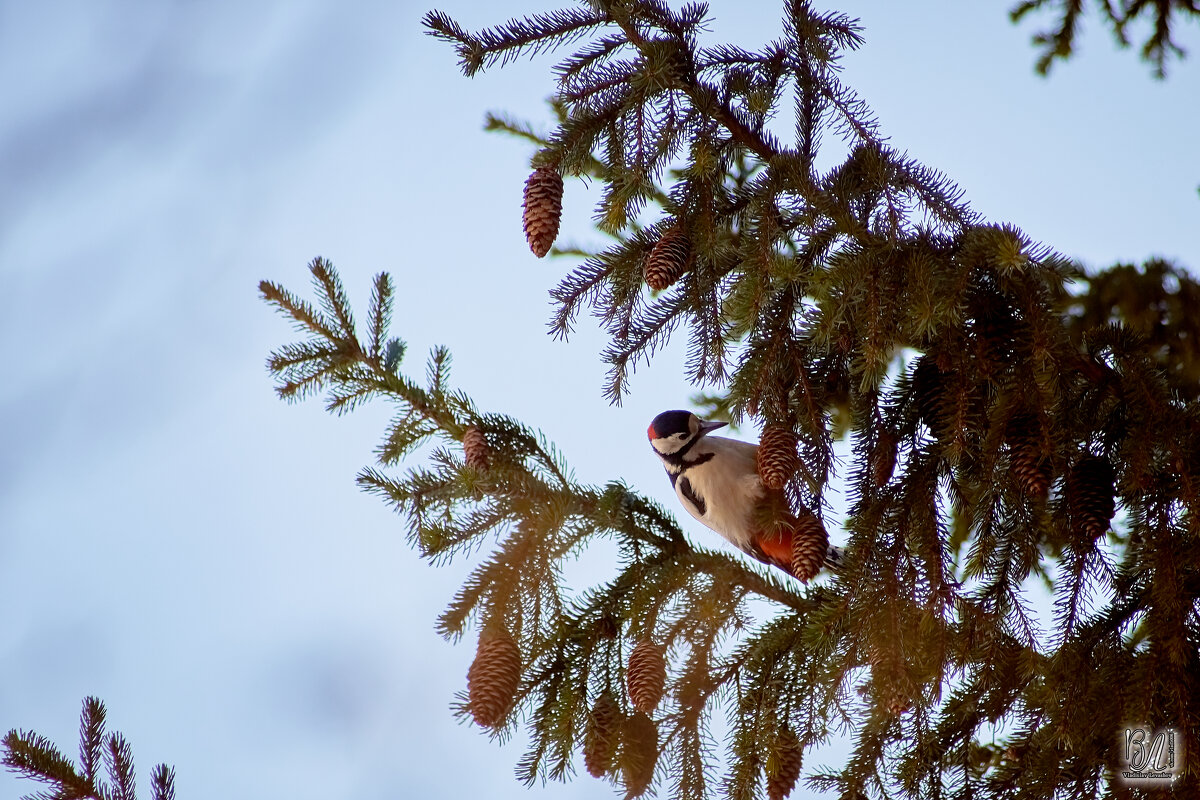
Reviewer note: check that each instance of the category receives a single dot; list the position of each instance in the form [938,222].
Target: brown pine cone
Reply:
[475,449]
[777,456]
[1090,496]
[493,678]
[783,767]
[810,545]
[543,209]
[1029,466]
[603,735]
[883,458]
[639,753]
[668,260]
[646,676]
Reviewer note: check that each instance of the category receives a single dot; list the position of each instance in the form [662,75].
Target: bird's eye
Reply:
[681,436]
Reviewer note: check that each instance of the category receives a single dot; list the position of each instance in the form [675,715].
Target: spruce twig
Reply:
[35,757]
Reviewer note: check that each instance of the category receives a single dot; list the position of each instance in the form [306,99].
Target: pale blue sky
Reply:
[178,542]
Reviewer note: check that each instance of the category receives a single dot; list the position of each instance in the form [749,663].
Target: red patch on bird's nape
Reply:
[651,434]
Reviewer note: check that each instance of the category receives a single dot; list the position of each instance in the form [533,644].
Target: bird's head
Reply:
[671,432]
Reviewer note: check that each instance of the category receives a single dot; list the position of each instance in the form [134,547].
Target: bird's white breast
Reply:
[729,485]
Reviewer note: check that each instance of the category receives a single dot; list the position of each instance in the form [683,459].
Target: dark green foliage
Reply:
[1162,15]
[35,757]
[1158,302]
[861,300]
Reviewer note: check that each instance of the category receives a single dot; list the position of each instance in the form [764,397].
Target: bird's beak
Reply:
[708,427]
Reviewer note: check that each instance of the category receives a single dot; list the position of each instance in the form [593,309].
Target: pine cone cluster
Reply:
[493,678]
[603,735]
[810,545]
[639,752]
[783,766]
[646,676]
[475,449]
[543,209]
[1029,466]
[1090,496]
[777,456]
[668,260]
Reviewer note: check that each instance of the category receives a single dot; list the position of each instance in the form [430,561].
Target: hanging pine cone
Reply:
[475,449]
[646,676]
[1090,496]
[1029,466]
[777,456]
[929,388]
[639,752]
[493,677]
[783,766]
[810,544]
[883,458]
[543,209]
[603,735]
[668,260]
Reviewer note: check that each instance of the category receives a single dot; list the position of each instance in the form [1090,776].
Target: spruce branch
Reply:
[941,663]
[381,317]
[1058,42]
[163,781]
[91,738]
[707,99]
[119,756]
[543,517]
[502,44]
[494,121]
[35,757]
[858,299]
[627,103]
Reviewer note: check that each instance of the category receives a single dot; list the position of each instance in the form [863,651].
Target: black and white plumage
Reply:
[716,479]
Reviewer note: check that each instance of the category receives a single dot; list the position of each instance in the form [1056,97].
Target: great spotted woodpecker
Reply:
[716,479]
